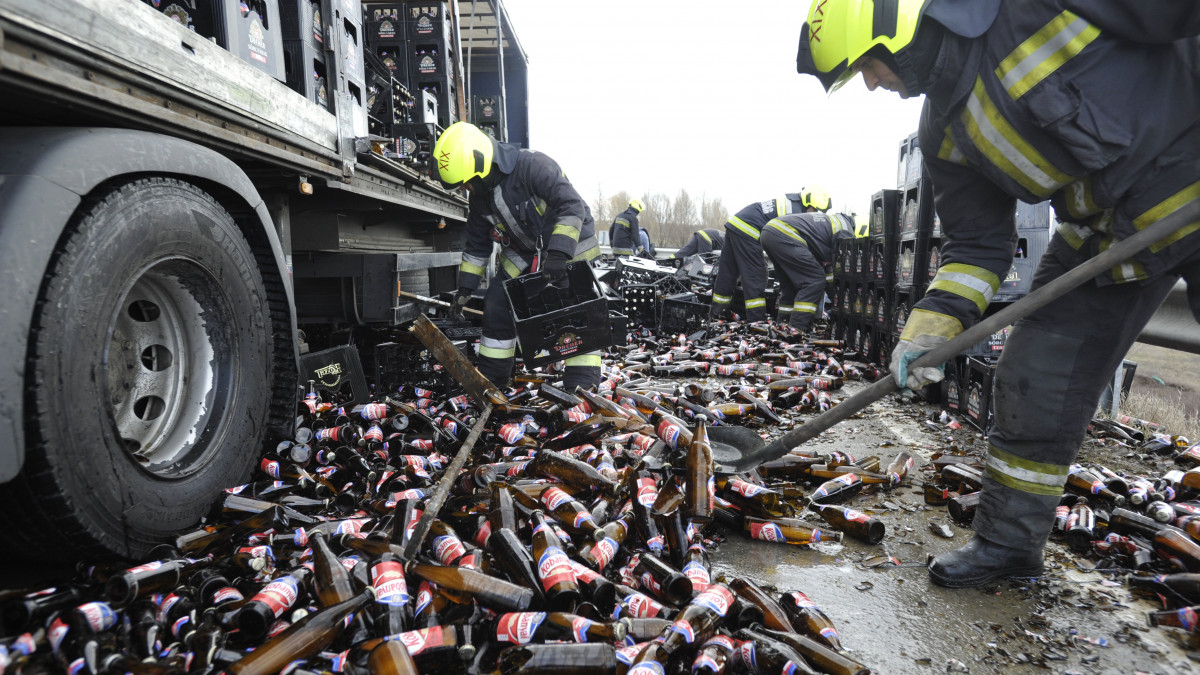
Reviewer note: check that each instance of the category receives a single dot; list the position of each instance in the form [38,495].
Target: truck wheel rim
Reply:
[162,384]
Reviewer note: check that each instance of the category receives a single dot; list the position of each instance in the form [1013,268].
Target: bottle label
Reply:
[554,497]
[802,600]
[646,668]
[628,653]
[483,533]
[829,633]
[1187,619]
[745,488]
[722,642]
[580,627]
[647,492]
[650,583]
[554,568]
[177,627]
[278,595]
[237,490]
[374,433]
[641,606]
[683,628]
[424,596]
[669,432]
[417,641]
[518,627]
[76,666]
[511,433]
[706,663]
[717,598]
[351,526]
[656,543]
[699,575]
[270,468]
[856,516]
[791,668]
[582,517]
[604,551]
[448,548]
[767,532]
[148,567]
[227,594]
[55,634]
[166,605]
[748,656]
[583,573]
[100,617]
[374,411]
[1097,486]
[387,578]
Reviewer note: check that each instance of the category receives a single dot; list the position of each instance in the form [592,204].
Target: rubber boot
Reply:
[981,561]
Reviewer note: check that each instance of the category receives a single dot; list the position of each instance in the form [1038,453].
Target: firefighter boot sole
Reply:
[981,561]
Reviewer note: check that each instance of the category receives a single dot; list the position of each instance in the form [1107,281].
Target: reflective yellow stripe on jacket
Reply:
[786,229]
[744,227]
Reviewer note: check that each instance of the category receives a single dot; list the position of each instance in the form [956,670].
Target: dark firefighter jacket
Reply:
[1056,101]
[816,231]
[624,234]
[751,219]
[528,205]
[703,241]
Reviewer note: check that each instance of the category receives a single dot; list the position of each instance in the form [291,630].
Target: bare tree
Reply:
[601,210]
[658,209]
[712,212]
[616,204]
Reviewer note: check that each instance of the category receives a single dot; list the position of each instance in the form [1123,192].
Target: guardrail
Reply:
[1173,325]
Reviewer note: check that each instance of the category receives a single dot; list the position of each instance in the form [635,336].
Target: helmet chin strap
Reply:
[914,64]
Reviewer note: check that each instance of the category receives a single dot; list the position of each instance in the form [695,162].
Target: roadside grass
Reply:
[1166,407]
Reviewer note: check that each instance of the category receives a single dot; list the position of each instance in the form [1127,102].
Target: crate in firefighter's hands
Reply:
[556,323]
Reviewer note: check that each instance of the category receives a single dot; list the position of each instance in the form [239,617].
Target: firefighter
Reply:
[624,234]
[801,246]
[703,241]
[742,254]
[1088,103]
[522,200]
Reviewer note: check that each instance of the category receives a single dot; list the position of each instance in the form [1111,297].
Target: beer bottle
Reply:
[753,498]
[696,623]
[1083,481]
[818,654]
[571,513]
[21,614]
[525,627]
[255,617]
[787,467]
[301,640]
[696,566]
[1184,586]
[698,496]
[1081,526]
[445,543]
[517,563]
[963,474]
[714,656]
[598,590]
[787,531]
[671,430]
[962,507]
[645,493]
[663,580]
[433,648]
[838,489]
[577,474]
[899,467]
[761,407]
[1160,511]
[642,630]
[331,579]
[391,658]
[676,534]
[614,534]
[391,612]
[652,660]
[553,566]
[151,577]
[767,655]
[637,605]
[1185,618]
[855,523]
[558,659]
[773,614]
[807,618]
[490,591]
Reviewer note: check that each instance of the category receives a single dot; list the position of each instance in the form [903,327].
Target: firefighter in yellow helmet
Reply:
[522,200]
[625,235]
[1090,104]
[742,254]
[802,247]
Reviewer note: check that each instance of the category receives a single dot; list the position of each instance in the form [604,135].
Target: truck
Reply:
[175,216]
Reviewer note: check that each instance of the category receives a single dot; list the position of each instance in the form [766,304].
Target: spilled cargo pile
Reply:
[578,536]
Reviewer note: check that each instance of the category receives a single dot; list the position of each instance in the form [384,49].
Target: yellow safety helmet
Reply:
[839,32]
[816,197]
[463,152]
[637,205]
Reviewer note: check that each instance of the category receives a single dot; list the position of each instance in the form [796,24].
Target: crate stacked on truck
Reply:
[878,279]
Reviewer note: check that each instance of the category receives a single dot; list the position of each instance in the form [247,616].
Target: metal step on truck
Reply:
[185,187]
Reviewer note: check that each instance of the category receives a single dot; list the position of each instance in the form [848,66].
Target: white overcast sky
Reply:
[658,95]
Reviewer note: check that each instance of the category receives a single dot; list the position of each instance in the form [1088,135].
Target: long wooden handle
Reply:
[1039,298]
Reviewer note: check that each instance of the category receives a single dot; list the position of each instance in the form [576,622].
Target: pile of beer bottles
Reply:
[575,540]
[1144,526]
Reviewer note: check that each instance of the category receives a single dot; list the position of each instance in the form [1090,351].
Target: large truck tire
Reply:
[148,376]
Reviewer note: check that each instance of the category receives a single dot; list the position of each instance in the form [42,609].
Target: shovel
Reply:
[737,449]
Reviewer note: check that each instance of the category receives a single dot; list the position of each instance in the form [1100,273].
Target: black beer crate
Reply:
[304,20]
[978,378]
[412,143]
[1031,246]
[252,30]
[557,323]
[861,258]
[993,345]
[426,20]
[953,395]
[912,262]
[910,167]
[334,370]
[916,214]
[306,72]
[487,109]
[373,10]
[883,306]
[394,365]
[195,15]
[683,313]
[902,304]
[641,304]
[885,215]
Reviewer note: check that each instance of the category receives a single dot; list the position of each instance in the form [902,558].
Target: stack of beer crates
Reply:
[917,239]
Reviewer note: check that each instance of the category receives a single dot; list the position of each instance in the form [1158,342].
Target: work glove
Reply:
[906,352]
[555,267]
[461,298]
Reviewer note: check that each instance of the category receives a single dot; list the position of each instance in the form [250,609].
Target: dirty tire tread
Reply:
[40,517]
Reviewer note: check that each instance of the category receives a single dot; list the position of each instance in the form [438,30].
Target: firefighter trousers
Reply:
[498,345]
[801,278]
[1049,380]
[742,257]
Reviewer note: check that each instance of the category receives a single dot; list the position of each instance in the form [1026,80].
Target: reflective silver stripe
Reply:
[805,307]
[498,344]
[784,309]
[622,222]
[518,261]
[998,465]
[722,299]
[1042,54]
[591,242]
[974,283]
[514,227]
[475,260]
[756,303]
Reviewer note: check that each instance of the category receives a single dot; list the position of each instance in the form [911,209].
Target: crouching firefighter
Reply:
[523,201]
[802,246]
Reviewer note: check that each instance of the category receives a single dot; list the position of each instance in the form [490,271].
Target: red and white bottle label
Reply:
[554,567]
[448,548]
[604,551]
[387,578]
[417,641]
[518,627]
[717,598]
[647,492]
[580,627]
[554,497]
[699,575]
[767,532]
[278,595]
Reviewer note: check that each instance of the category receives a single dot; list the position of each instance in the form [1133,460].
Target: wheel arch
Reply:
[46,174]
